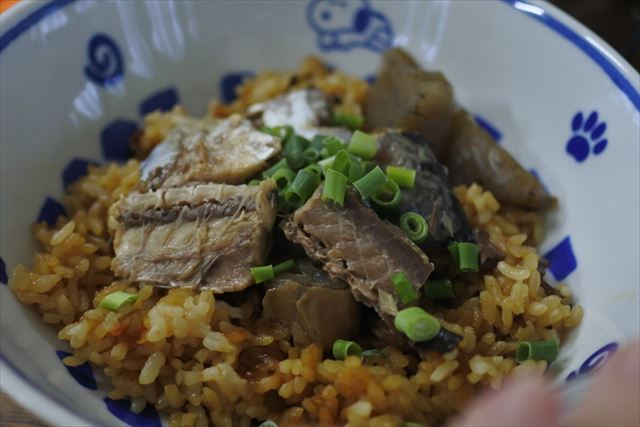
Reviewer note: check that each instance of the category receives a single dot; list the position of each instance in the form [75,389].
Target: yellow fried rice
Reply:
[204,361]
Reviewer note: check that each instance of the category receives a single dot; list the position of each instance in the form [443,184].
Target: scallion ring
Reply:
[335,187]
[414,226]
[363,145]
[387,196]
[116,300]
[343,348]
[417,324]
[537,350]
[404,288]
[369,184]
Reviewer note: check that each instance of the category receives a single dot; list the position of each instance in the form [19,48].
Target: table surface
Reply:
[617,22]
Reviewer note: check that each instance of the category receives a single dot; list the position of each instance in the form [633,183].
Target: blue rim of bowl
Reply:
[538,13]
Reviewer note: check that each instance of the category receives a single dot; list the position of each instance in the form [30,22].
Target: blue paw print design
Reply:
[587,136]
[347,24]
[596,360]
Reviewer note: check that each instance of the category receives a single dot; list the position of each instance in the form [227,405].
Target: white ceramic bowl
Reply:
[75,75]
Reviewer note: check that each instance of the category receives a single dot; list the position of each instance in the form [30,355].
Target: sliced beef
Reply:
[205,236]
[315,308]
[305,110]
[356,246]
[203,151]
[408,97]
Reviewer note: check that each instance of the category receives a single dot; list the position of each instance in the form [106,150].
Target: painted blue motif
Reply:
[115,137]
[596,360]
[230,81]
[371,78]
[343,25]
[81,373]
[3,272]
[75,169]
[120,408]
[50,211]
[163,100]
[562,260]
[488,127]
[105,66]
[587,136]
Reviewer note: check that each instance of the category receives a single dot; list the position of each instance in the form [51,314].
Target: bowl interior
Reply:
[78,76]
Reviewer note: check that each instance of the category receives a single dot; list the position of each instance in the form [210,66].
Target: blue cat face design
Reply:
[347,24]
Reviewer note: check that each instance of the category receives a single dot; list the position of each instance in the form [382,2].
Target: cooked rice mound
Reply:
[210,360]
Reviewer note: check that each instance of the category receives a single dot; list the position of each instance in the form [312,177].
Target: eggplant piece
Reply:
[204,237]
[315,308]
[415,100]
[356,246]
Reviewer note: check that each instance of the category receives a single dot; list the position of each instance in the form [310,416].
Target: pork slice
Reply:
[204,236]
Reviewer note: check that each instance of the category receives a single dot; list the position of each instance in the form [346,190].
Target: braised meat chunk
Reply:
[205,236]
[356,246]
[408,97]
[314,307]
[203,151]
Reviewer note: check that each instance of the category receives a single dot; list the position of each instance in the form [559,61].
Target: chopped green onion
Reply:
[404,177]
[278,131]
[344,348]
[469,254]
[283,267]
[116,300]
[335,186]
[301,188]
[348,165]
[330,146]
[254,182]
[374,352]
[318,141]
[409,424]
[268,423]
[371,182]
[414,226]
[387,196]
[326,163]
[314,168]
[283,177]
[439,289]
[293,150]
[282,164]
[363,145]
[404,289]
[262,273]
[352,121]
[466,256]
[311,155]
[537,350]
[341,162]
[356,170]
[417,324]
